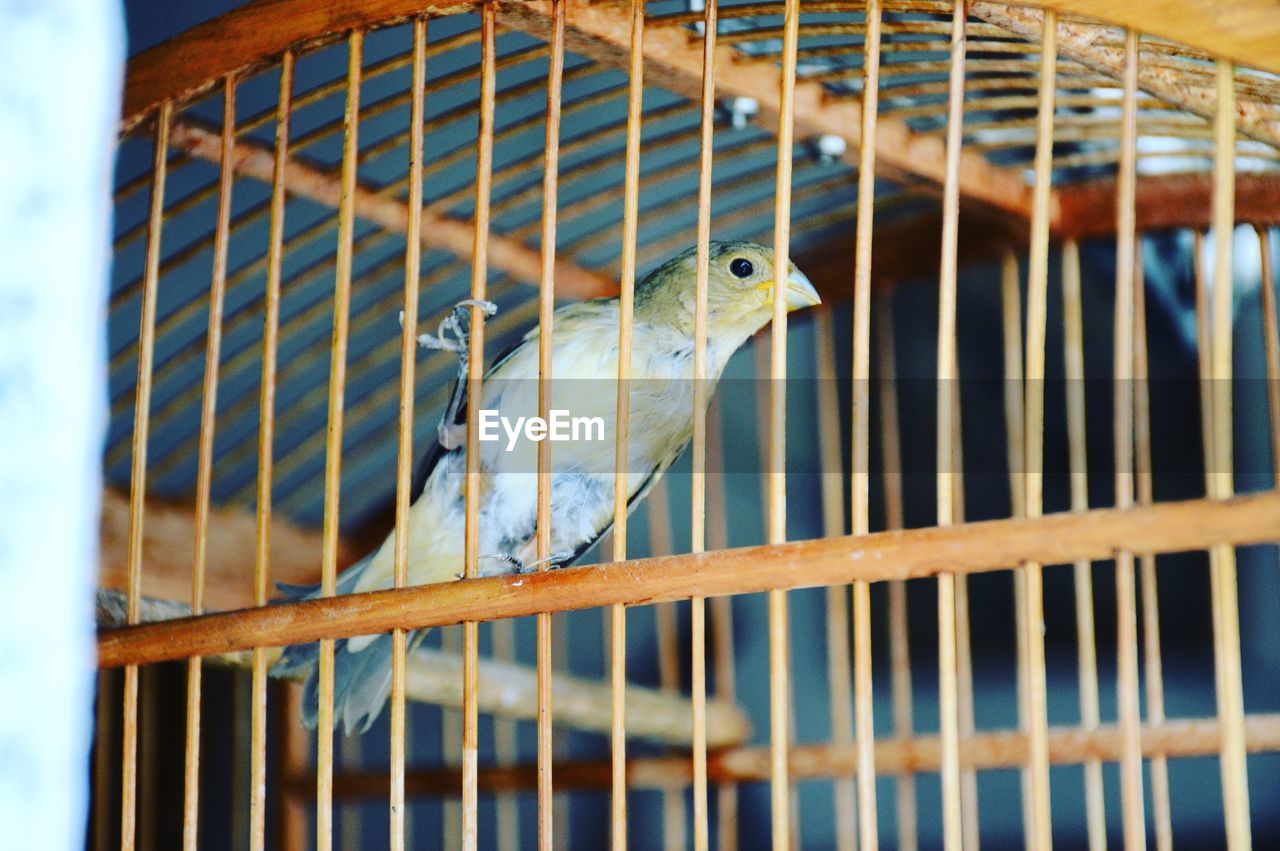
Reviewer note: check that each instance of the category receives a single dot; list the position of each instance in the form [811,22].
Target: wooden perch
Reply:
[438,230]
[510,690]
[908,554]
[920,754]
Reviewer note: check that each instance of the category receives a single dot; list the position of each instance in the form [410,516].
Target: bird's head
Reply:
[740,291]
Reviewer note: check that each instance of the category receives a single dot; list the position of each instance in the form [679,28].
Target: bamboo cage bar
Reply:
[667,648]
[698,476]
[948,709]
[333,442]
[1226,609]
[861,428]
[1015,412]
[1178,739]
[404,448]
[1082,570]
[1161,809]
[546,309]
[474,479]
[779,649]
[626,308]
[204,466]
[721,627]
[138,472]
[266,456]
[1038,815]
[839,669]
[899,640]
[1271,340]
[1132,805]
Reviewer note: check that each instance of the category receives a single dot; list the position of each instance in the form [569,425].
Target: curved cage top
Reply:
[1175,150]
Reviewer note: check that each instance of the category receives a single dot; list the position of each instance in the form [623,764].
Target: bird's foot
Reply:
[513,562]
[455,325]
[552,561]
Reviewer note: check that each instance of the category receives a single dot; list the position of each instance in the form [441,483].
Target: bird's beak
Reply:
[800,291]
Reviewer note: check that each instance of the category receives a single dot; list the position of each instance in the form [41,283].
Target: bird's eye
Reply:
[741,267]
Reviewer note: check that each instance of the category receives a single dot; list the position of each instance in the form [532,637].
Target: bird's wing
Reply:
[431,458]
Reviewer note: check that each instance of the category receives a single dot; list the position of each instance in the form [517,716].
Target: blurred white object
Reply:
[829,148]
[60,70]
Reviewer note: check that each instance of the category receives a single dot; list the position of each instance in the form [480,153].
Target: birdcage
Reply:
[300,185]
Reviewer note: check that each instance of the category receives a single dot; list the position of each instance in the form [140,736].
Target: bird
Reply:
[584,382]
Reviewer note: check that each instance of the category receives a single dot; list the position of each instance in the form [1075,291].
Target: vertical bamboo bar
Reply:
[475,372]
[504,736]
[899,636]
[1037,297]
[674,828]
[138,472]
[1235,782]
[1082,571]
[1159,769]
[779,650]
[1126,623]
[721,624]
[698,477]
[333,438]
[947,684]
[964,650]
[839,670]
[546,311]
[1271,335]
[861,426]
[626,303]
[266,449]
[204,463]
[1015,436]
[404,448]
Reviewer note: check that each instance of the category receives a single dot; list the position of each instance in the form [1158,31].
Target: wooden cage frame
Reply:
[1194,72]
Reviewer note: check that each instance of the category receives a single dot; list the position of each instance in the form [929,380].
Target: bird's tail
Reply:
[361,666]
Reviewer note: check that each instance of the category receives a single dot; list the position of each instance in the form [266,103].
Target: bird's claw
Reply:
[552,561]
[456,324]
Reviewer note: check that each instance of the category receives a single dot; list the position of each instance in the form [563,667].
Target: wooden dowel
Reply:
[984,546]
[266,456]
[474,477]
[721,625]
[839,668]
[138,471]
[1226,620]
[546,310]
[1016,451]
[899,635]
[1131,794]
[1082,571]
[204,462]
[947,685]
[404,447]
[504,741]
[698,496]
[1038,816]
[964,650]
[919,755]
[779,649]
[1271,336]
[861,427]
[1161,811]
[621,493]
[333,441]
